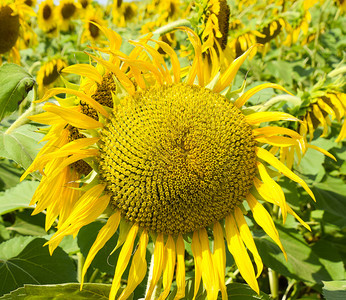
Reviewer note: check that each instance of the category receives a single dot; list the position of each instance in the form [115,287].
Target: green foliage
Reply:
[90,291]
[15,84]
[24,260]
[334,290]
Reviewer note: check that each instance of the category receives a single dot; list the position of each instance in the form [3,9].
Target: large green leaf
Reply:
[24,260]
[9,174]
[21,145]
[65,291]
[309,263]
[18,196]
[334,290]
[15,84]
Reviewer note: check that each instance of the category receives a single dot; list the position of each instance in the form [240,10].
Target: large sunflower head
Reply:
[168,155]
[67,10]
[13,27]
[47,16]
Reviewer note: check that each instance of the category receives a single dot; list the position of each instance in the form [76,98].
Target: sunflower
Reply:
[49,74]
[323,109]
[47,16]
[91,32]
[123,12]
[31,3]
[300,26]
[171,158]
[67,11]
[13,27]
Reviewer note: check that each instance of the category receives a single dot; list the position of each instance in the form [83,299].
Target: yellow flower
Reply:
[49,74]
[171,157]
[67,10]
[47,16]
[13,27]
[322,111]
[91,32]
[122,13]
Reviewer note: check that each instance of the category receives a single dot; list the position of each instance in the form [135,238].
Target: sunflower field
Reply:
[172,149]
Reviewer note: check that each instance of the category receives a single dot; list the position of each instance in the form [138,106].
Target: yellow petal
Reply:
[168,270]
[73,117]
[85,211]
[268,116]
[180,272]
[263,219]
[248,94]
[210,278]
[321,150]
[197,256]
[138,267]
[123,260]
[247,238]
[274,130]
[279,141]
[84,70]
[272,189]
[46,118]
[338,107]
[318,114]
[227,77]
[93,103]
[240,255]
[106,232]
[326,108]
[219,258]
[272,160]
[310,126]
[158,265]
[342,134]
[174,59]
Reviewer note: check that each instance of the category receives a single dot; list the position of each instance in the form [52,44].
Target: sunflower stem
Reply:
[171,26]
[81,260]
[93,275]
[273,283]
[23,119]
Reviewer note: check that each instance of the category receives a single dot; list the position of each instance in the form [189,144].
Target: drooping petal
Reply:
[168,270]
[180,272]
[240,255]
[158,265]
[272,189]
[219,258]
[247,238]
[248,94]
[325,152]
[227,77]
[138,267]
[272,160]
[263,219]
[106,232]
[197,256]
[209,276]
[123,260]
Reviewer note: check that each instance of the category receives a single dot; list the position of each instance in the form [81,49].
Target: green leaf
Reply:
[65,291]
[18,196]
[26,228]
[9,174]
[24,260]
[21,145]
[15,84]
[239,291]
[334,290]
[309,263]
